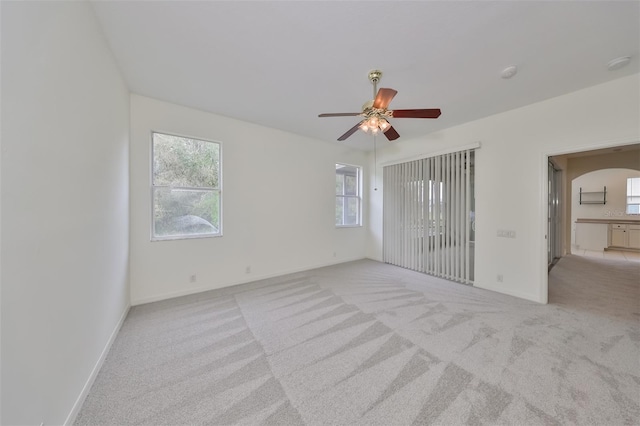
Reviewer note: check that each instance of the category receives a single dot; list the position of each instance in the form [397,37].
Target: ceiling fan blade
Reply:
[391,134]
[383,98]
[340,114]
[416,113]
[350,131]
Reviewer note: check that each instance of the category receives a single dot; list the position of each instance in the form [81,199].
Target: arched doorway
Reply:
[599,219]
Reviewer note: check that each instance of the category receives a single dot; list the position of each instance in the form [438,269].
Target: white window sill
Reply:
[185,237]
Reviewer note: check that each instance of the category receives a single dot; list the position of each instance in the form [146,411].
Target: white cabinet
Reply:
[624,235]
[591,236]
[618,235]
[633,236]
[600,234]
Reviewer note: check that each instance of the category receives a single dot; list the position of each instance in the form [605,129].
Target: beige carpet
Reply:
[366,343]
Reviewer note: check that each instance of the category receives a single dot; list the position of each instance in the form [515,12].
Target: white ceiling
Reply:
[281,63]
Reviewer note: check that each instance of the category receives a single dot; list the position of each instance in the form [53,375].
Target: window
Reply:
[633,195]
[185,187]
[348,198]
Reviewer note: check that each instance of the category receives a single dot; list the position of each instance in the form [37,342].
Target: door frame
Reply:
[544,198]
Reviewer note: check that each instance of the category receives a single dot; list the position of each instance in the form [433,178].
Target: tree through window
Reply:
[185,187]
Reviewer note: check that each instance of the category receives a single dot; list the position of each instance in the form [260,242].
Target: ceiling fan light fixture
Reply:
[374,124]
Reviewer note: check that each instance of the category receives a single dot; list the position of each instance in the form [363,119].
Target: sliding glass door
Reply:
[554,244]
[428,209]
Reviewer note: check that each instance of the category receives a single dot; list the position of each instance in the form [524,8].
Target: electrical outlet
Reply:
[193,278]
[503,233]
[247,270]
[500,278]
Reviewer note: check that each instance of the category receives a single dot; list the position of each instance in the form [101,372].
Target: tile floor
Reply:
[609,254]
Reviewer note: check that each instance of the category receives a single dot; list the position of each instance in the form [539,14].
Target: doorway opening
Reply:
[561,170]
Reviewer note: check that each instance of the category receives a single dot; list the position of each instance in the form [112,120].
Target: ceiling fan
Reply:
[376,114]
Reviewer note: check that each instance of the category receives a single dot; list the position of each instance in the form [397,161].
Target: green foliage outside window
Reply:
[186,186]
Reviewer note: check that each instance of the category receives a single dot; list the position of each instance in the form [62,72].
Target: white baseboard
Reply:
[202,289]
[519,295]
[96,369]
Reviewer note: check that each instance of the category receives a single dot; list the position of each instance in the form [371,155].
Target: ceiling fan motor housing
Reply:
[374,76]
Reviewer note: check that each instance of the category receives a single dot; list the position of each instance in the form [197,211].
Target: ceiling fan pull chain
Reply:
[375,164]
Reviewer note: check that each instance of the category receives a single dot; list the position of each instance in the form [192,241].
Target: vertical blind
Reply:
[428,215]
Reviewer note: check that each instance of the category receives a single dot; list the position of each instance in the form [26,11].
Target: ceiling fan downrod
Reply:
[374,78]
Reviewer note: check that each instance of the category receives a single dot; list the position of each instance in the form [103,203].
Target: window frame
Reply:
[152,187]
[345,197]
[630,194]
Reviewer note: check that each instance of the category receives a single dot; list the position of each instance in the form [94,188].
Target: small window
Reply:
[348,199]
[633,195]
[185,187]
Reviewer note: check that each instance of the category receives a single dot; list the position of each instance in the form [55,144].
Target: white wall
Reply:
[278,205]
[616,182]
[511,168]
[0,223]
[64,206]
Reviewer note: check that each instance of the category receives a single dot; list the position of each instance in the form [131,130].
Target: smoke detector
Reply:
[509,72]
[617,63]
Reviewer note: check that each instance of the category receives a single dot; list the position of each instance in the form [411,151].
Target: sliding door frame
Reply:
[427,213]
